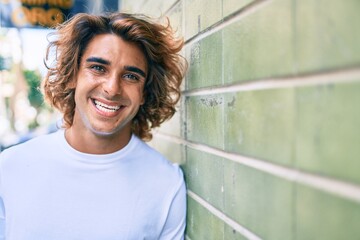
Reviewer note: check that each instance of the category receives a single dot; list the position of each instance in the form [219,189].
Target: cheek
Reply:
[136,93]
[138,98]
[86,77]
[142,95]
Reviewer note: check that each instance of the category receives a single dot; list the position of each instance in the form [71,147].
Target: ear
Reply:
[72,83]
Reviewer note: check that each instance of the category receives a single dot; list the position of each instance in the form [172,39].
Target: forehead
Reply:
[115,50]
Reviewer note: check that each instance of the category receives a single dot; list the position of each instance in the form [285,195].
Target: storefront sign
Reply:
[38,13]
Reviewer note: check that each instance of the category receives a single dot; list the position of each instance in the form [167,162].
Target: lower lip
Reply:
[106,114]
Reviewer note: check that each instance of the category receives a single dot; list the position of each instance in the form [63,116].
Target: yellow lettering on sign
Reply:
[23,16]
[37,16]
[18,16]
[54,17]
[34,2]
[65,4]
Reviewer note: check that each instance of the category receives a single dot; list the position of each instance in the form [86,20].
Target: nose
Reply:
[111,86]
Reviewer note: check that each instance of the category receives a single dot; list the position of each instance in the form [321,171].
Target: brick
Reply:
[157,9]
[230,233]
[205,120]
[131,6]
[260,45]
[328,130]
[201,14]
[172,151]
[258,201]
[173,126]
[202,224]
[176,18]
[203,168]
[230,6]
[260,124]
[323,216]
[125,5]
[153,8]
[326,37]
[193,75]
[205,62]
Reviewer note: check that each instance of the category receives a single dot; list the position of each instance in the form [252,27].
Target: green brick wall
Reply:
[268,128]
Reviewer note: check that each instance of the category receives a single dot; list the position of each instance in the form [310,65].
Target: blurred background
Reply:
[24,27]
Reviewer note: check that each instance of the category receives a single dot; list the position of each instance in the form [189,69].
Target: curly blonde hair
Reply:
[166,66]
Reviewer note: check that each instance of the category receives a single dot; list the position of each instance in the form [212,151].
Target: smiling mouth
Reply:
[106,108]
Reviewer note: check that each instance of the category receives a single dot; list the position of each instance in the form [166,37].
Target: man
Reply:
[114,78]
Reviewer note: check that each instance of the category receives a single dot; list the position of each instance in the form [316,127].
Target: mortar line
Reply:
[228,20]
[236,226]
[295,59]
[336,187]
[340,76]
[171,8]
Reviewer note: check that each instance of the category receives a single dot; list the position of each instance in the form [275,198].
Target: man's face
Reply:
[109,86]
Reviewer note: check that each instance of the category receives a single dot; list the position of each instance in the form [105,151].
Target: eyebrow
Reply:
[136,70]
[98,60]
[106,62]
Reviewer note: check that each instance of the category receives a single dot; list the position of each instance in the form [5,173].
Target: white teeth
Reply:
[104,107]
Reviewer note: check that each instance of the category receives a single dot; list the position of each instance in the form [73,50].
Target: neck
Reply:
[96,144]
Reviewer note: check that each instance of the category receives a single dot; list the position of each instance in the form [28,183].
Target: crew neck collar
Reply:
[97,158]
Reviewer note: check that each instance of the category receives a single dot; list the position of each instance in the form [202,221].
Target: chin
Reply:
[101,132]
[104,132]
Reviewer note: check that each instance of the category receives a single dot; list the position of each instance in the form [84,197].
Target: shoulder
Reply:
[35,146]
[156,163]
[36,142]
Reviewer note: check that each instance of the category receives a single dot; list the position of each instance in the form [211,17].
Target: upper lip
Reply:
[107,104]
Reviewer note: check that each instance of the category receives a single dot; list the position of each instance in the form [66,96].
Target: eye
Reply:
[97,68]
[132,77]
